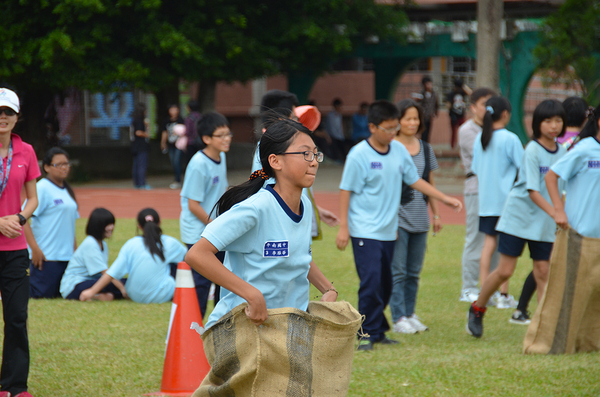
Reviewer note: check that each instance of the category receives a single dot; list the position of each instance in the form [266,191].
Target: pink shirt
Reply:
[23,169]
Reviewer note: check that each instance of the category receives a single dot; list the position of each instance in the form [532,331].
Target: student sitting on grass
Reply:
[146,259]
[90,261]
[370,193]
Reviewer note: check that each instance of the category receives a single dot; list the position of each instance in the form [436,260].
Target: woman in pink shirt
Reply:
[18,169]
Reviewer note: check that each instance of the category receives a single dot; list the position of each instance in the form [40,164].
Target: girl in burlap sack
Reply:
[266,232]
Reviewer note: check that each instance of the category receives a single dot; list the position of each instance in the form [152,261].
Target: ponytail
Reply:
[148,219]
[494,106]
[276,139]
[591,127]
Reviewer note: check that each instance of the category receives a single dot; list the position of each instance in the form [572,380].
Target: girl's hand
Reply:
[10,226]
[329,296]
[454,203]
[257,309]
[86,295]
[328,217]
[560,217]
[124,293]
[342,238]
[437,226]
[37,258]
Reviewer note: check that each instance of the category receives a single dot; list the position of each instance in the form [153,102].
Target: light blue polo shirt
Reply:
[149,279]
[53,221]
[205,181]
[496,169]
[86,264]
[266,245]
[580,168]
[521,217]
[375,182]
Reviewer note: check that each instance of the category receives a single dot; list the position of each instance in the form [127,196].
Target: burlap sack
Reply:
[567,319]
[293,353]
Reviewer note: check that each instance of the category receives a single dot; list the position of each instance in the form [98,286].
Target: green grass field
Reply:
[117,348]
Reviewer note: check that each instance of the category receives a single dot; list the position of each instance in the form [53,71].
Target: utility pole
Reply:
[489,18]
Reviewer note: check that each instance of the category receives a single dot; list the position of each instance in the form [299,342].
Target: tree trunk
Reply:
[206,95]
[166,97]
[32,126]
[489,18]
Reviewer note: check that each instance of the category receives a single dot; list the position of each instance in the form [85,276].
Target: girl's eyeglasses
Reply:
[61,165]
[7,111]
[309,156]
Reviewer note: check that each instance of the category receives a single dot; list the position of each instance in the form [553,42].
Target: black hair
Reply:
[336,102]
[458,83]
[139,111]
[193,105]
[209,123]
[97,222]
[173,105]
[278,101]
[47,160]
[545,110]
[364,105]
[425,79]
[148,219]
[481,93]
[498,104]
[591,127]
[575,109]
[406,104]
[380,111]
[276,140]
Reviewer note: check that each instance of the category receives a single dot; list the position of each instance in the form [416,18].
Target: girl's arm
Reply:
[560,217]
[9,225]
[343,234]
[318,279]
[201,257]
[541,202]
[37,256]
[119,285]
[432,192]
[88,294]
[437,223]
[198,211]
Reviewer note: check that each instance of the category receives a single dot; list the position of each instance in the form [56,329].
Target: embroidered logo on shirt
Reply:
[594,164]
[215,180]
[58,201]
[274,249]
[544,170]
[376,165]
[20,165]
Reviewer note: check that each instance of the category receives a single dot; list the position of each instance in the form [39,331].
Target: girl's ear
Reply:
[274,162]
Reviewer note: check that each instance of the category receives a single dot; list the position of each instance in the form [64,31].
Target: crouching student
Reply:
[90,261]
[146,259]
[369,201]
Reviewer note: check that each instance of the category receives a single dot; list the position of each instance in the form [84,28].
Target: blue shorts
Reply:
[487,225]
[79,288]
[513,246]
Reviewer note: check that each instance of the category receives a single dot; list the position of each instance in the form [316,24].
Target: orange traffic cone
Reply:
[185,362]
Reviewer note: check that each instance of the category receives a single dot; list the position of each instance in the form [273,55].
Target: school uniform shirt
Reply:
[466,140]
[521,217]
[205,181]
[53,221]
[414,216]
[375,182]
[86,264]
[496,168]
[267,245]
[149,279]
[24,168]
[580,168]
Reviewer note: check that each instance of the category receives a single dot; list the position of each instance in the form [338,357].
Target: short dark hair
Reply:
[279,101]
[406,104]
[425,79]
[575,109]
[481,93]
[193,105]
[545,110]
[336,102]
[99,219]
[382,110]
[209,123]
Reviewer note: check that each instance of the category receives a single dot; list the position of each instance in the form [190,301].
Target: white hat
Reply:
[9,99]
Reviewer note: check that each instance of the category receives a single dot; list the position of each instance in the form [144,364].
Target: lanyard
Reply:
[4,176]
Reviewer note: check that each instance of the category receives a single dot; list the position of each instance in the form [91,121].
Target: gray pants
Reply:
[473,245]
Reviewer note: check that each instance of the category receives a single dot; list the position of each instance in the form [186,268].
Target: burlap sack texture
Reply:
[294,353]
[567,319]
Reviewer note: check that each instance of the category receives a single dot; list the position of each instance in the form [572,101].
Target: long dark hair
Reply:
[148,219]
[97,222]
[276,139]
[495,106]
[47,160]
[591,127]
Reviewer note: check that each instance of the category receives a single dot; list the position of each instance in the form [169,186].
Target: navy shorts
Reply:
[487,225]
[79,288]
[513,246]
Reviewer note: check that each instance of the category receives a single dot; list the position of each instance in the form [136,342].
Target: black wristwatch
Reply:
[22,219]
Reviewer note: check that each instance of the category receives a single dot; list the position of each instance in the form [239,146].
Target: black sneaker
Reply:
[387,341]
[365,345]
[520,318]
[475,321]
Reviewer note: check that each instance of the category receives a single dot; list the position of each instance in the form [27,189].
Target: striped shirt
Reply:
[414,216]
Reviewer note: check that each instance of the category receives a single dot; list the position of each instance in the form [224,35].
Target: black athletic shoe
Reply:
[387,341]
[519,317]
[365,345]
[475,321]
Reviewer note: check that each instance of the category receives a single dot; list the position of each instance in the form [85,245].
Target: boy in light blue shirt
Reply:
[205,182]
[369,200]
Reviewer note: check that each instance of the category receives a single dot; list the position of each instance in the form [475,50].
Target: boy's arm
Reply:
[318,279]
[198,211]
[432,192]
[560,217]
[433,203]
[343,234]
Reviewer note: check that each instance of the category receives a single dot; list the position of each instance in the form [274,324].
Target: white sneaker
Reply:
[494,299]
[506,302]
[175,185]
[417,324]
[469,295]
[404,326]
